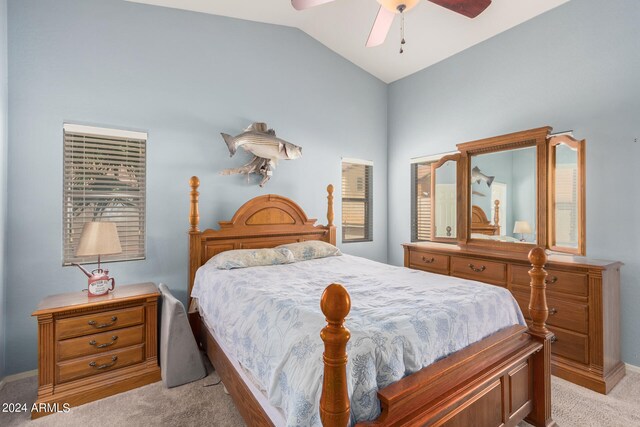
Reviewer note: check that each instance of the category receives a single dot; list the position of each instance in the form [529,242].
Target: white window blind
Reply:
[357,201]
[104,180]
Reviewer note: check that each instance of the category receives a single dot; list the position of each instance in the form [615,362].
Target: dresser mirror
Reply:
[511,192]
[444,191]
[503,195]
[566,228]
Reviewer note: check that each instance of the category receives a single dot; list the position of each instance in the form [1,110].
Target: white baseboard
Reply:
[633,368]
[16,377]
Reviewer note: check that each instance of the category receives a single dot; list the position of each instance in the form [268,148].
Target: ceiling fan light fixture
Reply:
[395,5]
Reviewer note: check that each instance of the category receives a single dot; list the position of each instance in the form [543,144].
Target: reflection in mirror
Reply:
[445,215]
[565,193]
[421,212]
[504,196]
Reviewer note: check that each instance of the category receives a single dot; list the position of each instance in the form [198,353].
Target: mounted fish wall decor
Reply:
[266,148]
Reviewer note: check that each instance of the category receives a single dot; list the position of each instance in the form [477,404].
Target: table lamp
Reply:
[522,227]
[98,238]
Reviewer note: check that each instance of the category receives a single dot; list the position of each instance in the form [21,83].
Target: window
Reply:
[104,180]
[357,202]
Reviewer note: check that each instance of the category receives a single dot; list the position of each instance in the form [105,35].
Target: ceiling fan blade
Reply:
[381,27]
[468,8]
[306,4]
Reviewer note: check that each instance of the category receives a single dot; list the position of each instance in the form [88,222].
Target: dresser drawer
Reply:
[429,261]
[479,269]
[97,364]
[557,281]
[99,322]
[99,343]
[570,345]
[567,315]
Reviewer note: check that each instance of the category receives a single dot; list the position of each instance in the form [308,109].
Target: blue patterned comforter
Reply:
[401,320]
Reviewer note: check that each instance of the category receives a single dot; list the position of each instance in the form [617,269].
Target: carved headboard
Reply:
[262,222]
[480,224]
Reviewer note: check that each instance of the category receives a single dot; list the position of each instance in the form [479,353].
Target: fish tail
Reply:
[231,143]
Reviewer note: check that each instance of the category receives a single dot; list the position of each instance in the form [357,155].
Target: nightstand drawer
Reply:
[99,322]
[429,261]
[99,343]
[97,364]
[557,281]
[479,269]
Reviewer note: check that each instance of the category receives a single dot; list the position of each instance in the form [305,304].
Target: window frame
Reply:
[367,200]
[70,224]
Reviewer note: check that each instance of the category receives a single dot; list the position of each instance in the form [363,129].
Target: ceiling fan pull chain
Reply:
[402,41]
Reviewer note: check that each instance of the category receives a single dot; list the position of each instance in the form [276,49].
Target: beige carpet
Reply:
[195,405]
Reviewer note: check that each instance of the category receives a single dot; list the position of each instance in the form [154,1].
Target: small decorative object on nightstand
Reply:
[90,348]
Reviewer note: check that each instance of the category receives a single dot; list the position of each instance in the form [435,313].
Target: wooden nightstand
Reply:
[94,347]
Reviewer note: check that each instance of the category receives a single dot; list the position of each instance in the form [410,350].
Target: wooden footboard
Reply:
[498,381]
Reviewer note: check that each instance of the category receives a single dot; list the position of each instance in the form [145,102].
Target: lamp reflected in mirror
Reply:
[522,228]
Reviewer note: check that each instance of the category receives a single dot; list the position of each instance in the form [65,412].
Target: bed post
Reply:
[330,205]
[330,216]
[540,415]
[334,401]
[496,214]
[194,252]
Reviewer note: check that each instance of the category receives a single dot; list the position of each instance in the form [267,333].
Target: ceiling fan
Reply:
[389,8]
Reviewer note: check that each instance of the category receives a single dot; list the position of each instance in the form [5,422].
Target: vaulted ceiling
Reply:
[433,33]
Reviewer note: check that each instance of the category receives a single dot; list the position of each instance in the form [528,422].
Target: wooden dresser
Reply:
[583,296]
[93,347]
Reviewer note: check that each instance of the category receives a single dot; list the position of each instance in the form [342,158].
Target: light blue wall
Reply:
[183,77]
[575,67]
[3,174]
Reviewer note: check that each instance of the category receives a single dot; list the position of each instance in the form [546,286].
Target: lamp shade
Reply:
[99,238]
[522,227]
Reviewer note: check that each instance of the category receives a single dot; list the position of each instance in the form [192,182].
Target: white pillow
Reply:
[311,249]
[242,258]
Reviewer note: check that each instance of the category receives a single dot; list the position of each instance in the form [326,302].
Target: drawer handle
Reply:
[477,269]
[103,325]
[551,280]
[114,359]
[554,339]
[428,261]
[553,311]
[107,344]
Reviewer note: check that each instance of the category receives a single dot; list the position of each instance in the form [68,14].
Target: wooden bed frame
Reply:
[497,381]
[481,224]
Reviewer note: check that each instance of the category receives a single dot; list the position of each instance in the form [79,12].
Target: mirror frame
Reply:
[579,146]
[529,138]
[434,166]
